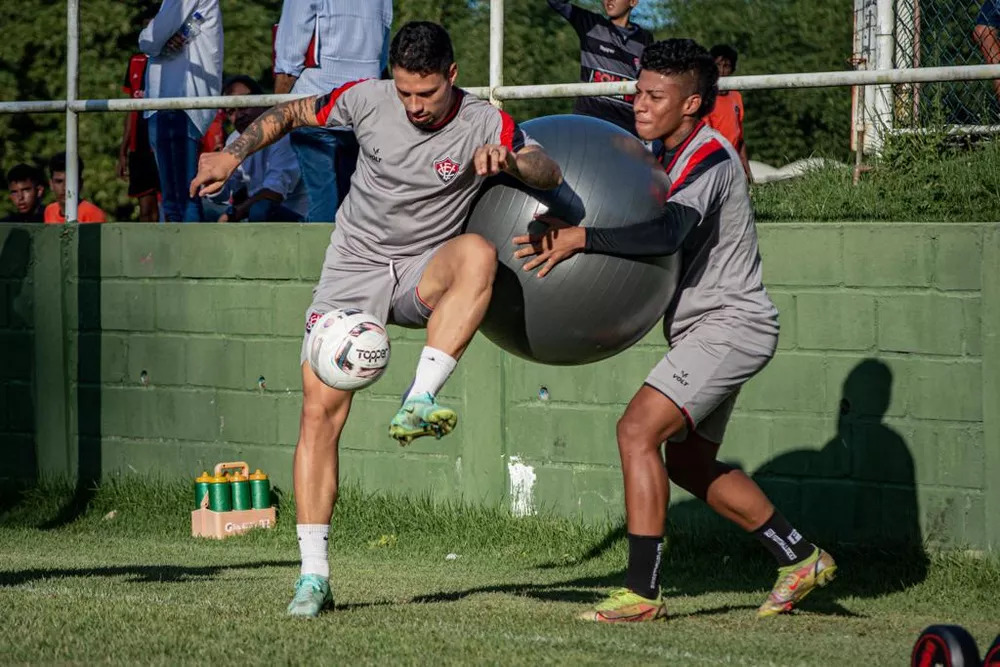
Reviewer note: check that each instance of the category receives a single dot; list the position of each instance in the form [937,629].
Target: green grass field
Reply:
[923,182]
[137,588]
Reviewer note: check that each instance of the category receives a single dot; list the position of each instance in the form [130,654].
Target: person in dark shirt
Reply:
[610,49]
[136,162]
[27,187]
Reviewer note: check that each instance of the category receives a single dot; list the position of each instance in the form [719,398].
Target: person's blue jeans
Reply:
[272,211]
[175,141]
[327,159]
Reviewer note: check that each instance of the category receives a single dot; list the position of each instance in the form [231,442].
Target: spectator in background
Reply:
[349,41]
[727,115]
[267,186]
[55,213]
[215,136]
[27,187]
[184,45]
[610,48]
[136,162]
[987,36]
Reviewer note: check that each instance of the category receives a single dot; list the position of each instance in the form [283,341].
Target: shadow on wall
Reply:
[88,370]
[18,457]
[854,495]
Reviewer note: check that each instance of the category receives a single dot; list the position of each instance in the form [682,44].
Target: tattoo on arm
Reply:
[537,169]
[273,124]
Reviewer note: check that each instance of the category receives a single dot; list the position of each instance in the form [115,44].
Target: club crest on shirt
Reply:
[446,169]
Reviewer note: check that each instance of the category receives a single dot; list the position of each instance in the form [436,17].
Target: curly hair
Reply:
[727,52]
[685,56]
[422,47]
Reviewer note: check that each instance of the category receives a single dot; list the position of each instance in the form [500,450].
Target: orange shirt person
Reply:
[55,213]
[727,116]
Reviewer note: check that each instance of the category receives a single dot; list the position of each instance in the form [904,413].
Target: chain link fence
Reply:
[903,118]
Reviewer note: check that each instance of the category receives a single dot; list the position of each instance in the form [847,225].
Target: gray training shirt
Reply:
[412,188]
[721,287]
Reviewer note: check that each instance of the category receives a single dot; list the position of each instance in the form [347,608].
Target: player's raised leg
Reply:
[802,566]
[456,286]
[315,470]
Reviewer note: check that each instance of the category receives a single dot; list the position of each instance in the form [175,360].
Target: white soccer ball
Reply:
[348,349]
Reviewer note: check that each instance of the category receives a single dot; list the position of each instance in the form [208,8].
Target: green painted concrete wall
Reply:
[155,348]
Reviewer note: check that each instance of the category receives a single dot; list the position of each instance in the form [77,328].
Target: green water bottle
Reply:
[201,488]
[260,488]
[241,491]
[220,494]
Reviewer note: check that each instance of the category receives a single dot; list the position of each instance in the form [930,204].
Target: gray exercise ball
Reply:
[590,306]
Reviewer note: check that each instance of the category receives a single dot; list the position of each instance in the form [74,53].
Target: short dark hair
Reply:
[246,80]
[725,51]
[25,172]
[58,163]
[683,56]
[422,47]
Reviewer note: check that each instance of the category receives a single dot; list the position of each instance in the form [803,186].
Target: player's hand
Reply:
[491,159]
[214,169]
[122,166]
[560,241]
[175,43]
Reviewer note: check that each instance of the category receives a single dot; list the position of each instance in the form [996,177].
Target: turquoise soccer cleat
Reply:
[312,595]
[420,416]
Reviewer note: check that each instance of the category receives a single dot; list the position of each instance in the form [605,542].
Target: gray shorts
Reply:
[385,291]
[703,377]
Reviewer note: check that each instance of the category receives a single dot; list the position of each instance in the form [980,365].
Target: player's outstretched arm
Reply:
[215,168]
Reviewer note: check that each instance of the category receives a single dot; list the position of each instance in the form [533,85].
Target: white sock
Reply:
[313,541]
[433,371]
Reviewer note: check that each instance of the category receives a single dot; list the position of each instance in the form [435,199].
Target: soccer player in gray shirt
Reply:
[396,251]
[721,327]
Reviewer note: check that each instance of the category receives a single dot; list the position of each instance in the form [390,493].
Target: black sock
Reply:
[644,558]
[784,542]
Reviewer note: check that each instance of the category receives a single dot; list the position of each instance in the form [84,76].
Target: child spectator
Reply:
[610,48]
[136,162]
[55,213]
[727,115]
[27,187]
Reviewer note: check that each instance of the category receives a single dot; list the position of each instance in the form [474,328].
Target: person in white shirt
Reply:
[267,186]
[347,41]
[184,45]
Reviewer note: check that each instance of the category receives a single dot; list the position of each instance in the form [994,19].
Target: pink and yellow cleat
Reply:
[797,581]
[625,606]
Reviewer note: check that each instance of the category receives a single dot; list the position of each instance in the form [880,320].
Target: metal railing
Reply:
[496,92]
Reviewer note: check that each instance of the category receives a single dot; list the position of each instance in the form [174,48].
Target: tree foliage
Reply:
[540,47]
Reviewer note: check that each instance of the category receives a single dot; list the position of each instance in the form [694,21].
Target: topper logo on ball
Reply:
[591,306]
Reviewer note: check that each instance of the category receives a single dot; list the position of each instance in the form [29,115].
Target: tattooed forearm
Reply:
[537,169]
[273,124]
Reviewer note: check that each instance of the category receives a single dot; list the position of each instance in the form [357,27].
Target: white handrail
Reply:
[496,92]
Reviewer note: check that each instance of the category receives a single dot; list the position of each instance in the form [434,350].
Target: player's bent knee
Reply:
[635,434]
[479,259]
[479,251]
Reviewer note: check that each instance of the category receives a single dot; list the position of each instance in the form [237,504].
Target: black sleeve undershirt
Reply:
[663,235]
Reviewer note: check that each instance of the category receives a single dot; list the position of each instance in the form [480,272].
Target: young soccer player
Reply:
[610,48]
[396,252]
[722,329]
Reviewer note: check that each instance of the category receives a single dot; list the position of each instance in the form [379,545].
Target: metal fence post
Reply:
[496,50]
[72,72]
